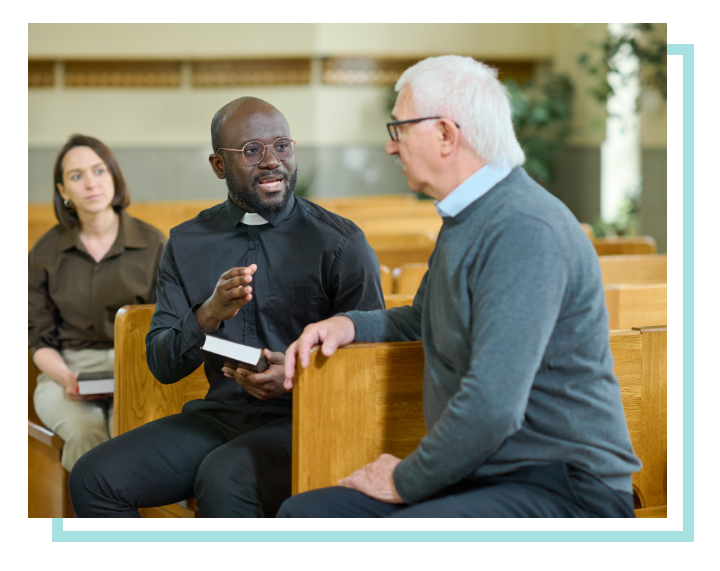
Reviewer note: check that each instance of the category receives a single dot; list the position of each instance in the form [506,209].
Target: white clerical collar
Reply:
[253,219]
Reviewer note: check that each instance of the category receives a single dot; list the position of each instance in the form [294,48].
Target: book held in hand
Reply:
[221,353]
[96,383]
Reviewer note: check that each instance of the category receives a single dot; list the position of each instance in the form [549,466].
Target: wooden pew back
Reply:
[636,305]
[139,397]
[641,269]
[625,246]
[367,399]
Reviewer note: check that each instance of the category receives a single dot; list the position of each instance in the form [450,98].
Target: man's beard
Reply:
[245,197]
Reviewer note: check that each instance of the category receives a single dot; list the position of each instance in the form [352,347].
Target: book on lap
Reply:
[219,353]
[96,383]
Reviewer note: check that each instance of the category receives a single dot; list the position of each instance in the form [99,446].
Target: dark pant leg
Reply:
[153,465]
[336,502]
[538,491]
[551,490]
[250,476]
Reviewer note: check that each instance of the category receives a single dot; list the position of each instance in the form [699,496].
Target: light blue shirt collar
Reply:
[470,190]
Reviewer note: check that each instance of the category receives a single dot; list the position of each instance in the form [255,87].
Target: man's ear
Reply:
[218,165]
[449,136]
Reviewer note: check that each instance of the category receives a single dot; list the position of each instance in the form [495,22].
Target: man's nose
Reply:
[392,147]
[269,161]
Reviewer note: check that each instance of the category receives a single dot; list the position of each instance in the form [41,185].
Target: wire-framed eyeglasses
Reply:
[254,151]
[392,127]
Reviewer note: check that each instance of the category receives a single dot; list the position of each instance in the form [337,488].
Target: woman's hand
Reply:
[72,390]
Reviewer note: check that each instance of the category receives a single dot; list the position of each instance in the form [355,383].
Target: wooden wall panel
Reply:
[122,74]
[41,73]
[386,71]
[223,73]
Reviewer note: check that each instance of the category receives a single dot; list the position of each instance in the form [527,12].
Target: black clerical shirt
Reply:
[311,265]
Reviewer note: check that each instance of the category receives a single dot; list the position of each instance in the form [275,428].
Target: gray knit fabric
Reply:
[518,368]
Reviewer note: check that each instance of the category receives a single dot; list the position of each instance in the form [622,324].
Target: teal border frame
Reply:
[687,51]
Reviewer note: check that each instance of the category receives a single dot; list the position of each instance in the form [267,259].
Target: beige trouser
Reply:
[81,424]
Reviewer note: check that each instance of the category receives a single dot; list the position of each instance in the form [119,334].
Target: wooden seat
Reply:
[48,494]
[367,399]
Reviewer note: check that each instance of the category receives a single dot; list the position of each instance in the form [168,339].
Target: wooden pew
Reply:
[391,421]
[624,246]
[641,269]
[386,280]
[396,249]
[636,305]
[48,494]
[367,399]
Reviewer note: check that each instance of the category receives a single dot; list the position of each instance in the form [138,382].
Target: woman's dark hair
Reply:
[69,218]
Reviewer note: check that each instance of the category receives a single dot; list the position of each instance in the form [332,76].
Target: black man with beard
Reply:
[256,270]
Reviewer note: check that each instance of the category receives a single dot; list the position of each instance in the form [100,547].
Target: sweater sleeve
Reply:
[516,288]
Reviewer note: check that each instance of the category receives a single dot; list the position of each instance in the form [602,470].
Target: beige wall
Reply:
[318,114]
[253,40]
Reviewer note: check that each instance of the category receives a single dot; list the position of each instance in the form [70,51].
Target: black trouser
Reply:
[235,460]
[541,490]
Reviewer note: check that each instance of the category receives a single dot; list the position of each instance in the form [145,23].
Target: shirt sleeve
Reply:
[43,315]
[517,293]
[174,340]
[356,276]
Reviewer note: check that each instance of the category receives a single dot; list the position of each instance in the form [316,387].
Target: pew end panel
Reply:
[342,421]
[139,397]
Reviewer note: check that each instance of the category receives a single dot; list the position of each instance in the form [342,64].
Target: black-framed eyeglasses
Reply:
[392,126]
[254,151]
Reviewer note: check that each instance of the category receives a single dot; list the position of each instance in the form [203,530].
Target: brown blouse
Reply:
[72,299]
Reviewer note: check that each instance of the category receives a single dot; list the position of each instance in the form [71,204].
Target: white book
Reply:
[96,383]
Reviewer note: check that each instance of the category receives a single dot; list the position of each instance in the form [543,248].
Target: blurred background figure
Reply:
[95,260]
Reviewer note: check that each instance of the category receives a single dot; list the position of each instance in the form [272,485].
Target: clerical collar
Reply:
[237,214]
[253,219]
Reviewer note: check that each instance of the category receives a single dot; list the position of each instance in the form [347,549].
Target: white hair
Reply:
[469,93]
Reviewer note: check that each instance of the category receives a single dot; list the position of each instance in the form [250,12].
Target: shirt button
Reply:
[250,329]
[252,246]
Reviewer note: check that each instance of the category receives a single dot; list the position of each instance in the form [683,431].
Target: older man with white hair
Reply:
[522,408]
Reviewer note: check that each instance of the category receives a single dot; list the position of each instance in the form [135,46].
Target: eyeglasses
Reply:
[254,151]
[393,130]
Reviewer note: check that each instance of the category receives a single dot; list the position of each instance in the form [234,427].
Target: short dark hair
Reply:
[121,199]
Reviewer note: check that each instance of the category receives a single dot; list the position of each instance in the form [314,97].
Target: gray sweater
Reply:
[518,368]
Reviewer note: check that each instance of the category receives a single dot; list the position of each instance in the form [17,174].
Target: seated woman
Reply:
[97,259]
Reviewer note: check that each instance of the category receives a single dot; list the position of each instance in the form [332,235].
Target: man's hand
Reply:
[376,480]
[332,333]
[72,391]
[266,385]
[231,293]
